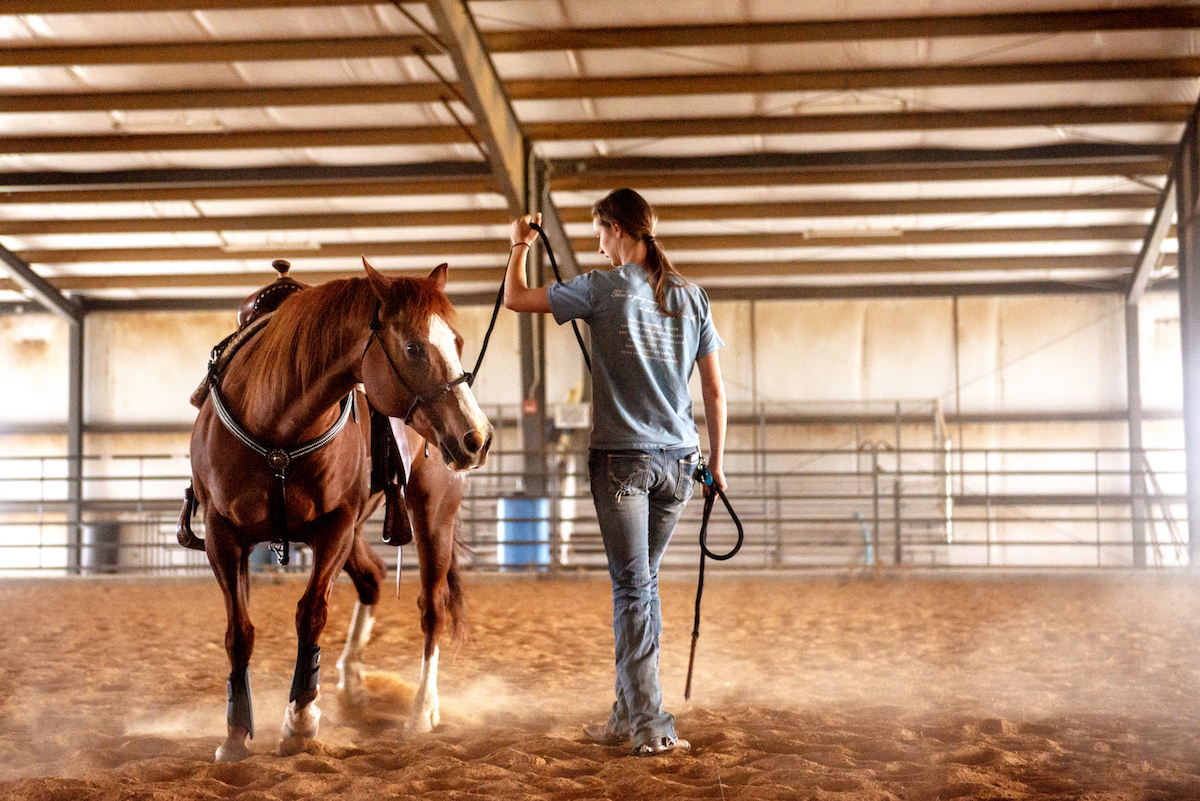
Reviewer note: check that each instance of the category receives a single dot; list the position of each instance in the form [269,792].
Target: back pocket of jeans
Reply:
[629,474]
[685,485]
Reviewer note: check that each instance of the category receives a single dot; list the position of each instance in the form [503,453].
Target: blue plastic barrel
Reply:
[523,533]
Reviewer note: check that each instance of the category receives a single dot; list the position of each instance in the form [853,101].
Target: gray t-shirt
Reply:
[642,359]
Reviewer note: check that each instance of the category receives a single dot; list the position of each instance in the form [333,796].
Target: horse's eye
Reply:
[415,350]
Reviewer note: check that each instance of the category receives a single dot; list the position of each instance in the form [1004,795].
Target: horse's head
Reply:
[412,368]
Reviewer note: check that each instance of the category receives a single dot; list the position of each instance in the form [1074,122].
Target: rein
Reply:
[703,475]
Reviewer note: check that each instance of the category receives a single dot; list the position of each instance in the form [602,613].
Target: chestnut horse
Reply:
[289,387]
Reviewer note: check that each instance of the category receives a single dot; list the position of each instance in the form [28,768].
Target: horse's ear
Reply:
[438,276]
[379,282]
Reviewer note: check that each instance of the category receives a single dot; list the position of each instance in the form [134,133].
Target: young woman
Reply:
[649,328]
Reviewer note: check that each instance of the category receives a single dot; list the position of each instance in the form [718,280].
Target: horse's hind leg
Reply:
[367,571]
[229,561]
[330,538]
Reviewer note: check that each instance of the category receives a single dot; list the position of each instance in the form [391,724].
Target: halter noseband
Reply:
[417,398]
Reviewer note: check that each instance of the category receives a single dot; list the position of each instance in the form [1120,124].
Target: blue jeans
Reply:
[639,496]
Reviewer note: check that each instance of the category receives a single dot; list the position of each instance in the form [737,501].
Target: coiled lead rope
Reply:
[704,476]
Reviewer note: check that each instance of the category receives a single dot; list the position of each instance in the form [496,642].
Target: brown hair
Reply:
[636,218]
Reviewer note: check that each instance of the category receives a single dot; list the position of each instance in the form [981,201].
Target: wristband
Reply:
[514,247]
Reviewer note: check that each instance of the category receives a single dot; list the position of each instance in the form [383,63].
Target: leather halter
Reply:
[417,398]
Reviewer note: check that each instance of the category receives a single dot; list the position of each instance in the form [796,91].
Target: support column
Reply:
[1187,181]
[533,373]
[1137,458]
[73,312]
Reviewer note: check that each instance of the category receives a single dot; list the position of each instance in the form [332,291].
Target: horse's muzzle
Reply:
[469,451]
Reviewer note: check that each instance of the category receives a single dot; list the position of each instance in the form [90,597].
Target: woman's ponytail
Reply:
[636,218]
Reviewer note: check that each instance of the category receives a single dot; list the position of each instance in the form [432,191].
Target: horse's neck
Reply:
[286,411]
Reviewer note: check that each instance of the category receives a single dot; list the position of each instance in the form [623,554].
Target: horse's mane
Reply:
[317,325]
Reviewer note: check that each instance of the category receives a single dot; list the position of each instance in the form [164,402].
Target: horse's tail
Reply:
[183,531]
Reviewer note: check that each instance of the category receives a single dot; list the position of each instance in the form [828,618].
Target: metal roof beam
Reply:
[700,271]
[117,6]
[433,171]
[1150,18]
[756,169]
[481,247]
[601,179]
[495,121]
[24,279]
[614,86]
[450,171]
[1152,245]
[606,130]
[667,212]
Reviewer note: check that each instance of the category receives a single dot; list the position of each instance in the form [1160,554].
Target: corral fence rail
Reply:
[867,507]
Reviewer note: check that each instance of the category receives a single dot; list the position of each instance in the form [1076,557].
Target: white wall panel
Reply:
[810,350]
[143,368]
[1025,354]
[908,349]
[33,368]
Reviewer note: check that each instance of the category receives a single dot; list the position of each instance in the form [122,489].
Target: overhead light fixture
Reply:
[152,123]
[851,233]
[253,247]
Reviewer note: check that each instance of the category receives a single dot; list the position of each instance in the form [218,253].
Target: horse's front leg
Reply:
[435,560]
[426,713]
[229,559]
[368,572]
[434,497]
[330,537]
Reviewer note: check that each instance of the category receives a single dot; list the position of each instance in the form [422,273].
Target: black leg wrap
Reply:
[240,711]
[308,671]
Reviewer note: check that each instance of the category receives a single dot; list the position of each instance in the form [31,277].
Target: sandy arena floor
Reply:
[902,688]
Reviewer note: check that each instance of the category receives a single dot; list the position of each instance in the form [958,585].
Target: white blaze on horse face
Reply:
[442,337]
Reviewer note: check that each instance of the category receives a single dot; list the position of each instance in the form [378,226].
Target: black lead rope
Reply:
[500,301]
[705,477]
[558,277]
[488,335]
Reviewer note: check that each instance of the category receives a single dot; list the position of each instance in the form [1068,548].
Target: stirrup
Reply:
[397,527]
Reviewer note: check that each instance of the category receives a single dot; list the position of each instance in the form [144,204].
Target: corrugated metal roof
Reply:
[173,148]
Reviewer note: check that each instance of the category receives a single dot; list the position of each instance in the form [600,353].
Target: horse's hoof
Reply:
[302,721]
[350,684]
[423,722]
[290,746]
[355,697]
[232,752]
[234,748]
